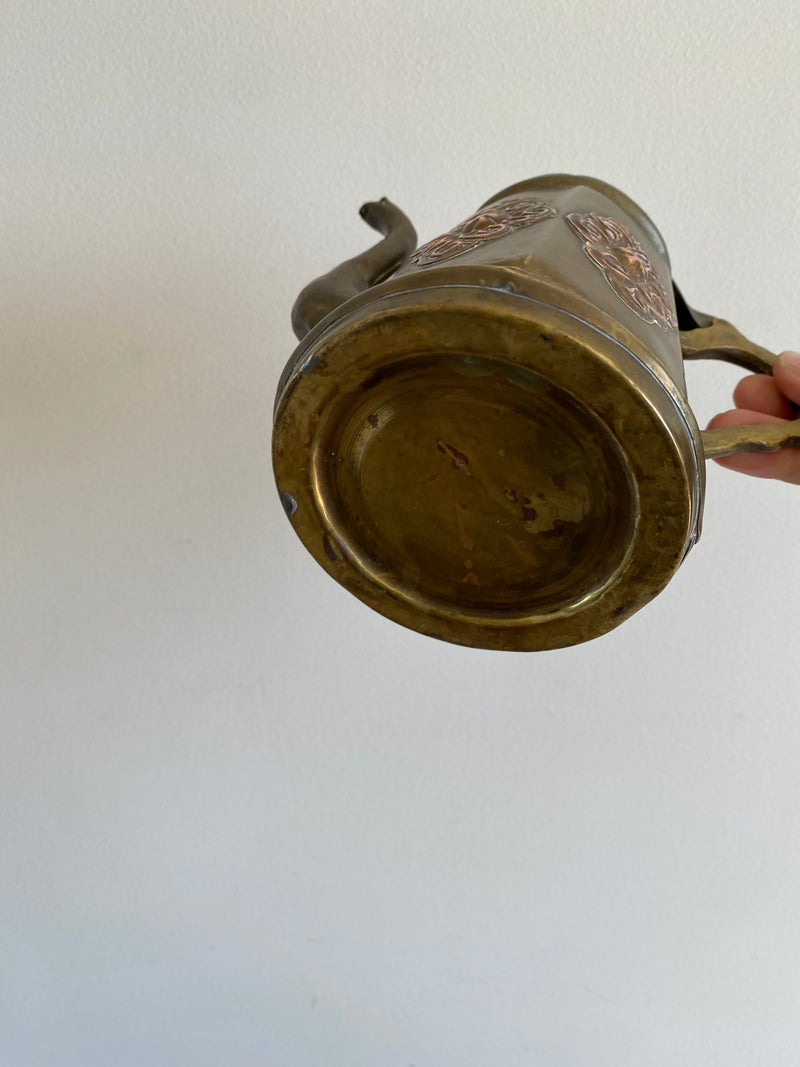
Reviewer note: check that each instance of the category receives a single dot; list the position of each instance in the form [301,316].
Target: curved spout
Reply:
[355,275]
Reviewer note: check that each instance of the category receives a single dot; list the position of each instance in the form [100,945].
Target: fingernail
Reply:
[790,361]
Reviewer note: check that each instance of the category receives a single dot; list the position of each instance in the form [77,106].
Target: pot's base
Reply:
[485,468]
[470,486]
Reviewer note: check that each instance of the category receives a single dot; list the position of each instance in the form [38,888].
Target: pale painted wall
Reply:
[244,820]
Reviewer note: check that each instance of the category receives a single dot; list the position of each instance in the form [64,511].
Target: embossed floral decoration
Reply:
[494,220]
[626,267]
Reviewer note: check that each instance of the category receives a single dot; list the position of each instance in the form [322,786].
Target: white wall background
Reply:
[244,820]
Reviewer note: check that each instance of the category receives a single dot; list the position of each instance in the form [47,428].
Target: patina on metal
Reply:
[488,439]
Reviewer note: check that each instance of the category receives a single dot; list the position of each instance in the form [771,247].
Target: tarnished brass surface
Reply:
[493,446]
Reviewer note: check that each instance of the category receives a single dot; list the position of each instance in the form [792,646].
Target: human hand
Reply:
[762,398]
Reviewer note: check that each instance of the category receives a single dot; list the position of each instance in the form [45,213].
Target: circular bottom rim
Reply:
[593,369]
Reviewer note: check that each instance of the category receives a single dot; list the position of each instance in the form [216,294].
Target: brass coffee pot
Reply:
[488,439]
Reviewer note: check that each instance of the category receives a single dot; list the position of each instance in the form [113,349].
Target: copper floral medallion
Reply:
[628,271]
[495,220]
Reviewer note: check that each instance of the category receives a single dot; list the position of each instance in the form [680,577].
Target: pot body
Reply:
[494,446]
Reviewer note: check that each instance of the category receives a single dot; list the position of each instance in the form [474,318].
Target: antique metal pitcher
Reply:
[488,439]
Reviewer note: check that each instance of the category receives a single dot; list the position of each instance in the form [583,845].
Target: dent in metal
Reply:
[289,504]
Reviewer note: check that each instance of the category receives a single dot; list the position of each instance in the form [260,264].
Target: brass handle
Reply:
[704,337]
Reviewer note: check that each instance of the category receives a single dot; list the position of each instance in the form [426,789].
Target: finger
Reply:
[783,465]
[787,375]
[760,392]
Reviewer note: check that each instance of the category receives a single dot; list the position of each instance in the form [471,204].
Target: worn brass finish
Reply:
[493,446]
